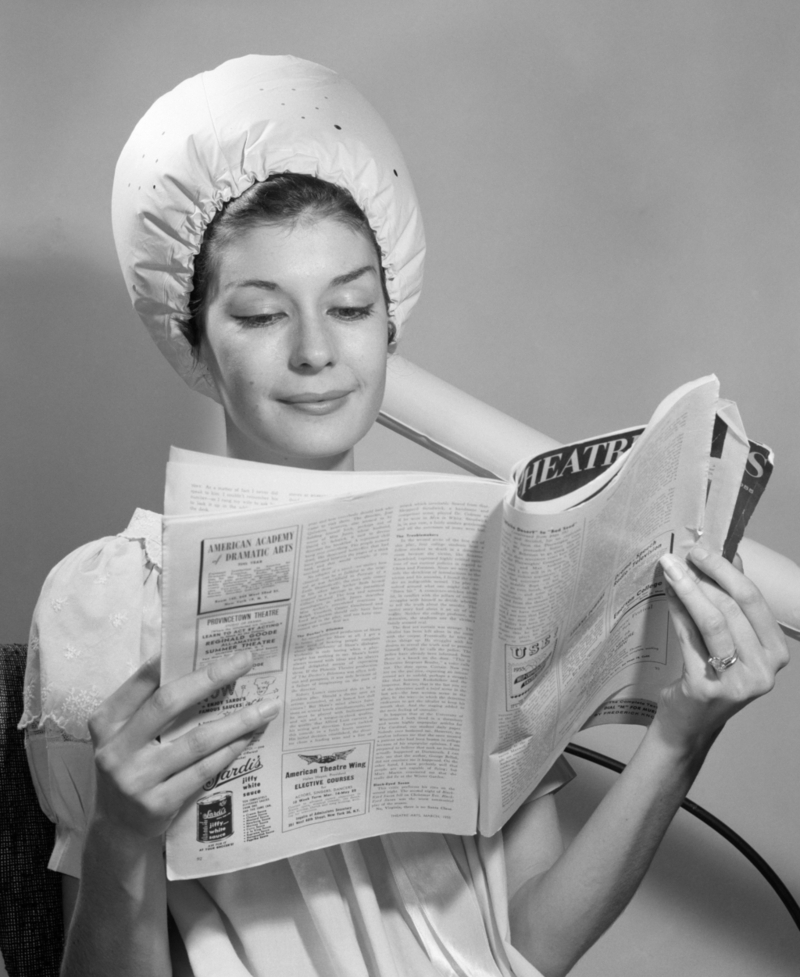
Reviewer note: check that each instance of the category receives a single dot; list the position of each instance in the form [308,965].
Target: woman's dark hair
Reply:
[283,198]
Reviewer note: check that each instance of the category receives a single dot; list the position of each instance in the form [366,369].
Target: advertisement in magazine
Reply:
[246,593]
[325,786]
[244,596]
[240,571]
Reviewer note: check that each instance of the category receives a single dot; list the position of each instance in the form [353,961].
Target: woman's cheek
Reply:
[245,377]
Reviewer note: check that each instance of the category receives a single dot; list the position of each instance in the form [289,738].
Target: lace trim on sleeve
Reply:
[97,618]
[146,527]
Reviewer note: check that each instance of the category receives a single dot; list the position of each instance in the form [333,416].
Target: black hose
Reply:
[713,822]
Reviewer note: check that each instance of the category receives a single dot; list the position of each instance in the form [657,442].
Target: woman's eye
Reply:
[352,313]
[254,321]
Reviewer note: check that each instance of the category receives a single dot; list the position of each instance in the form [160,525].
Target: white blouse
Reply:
[398,905]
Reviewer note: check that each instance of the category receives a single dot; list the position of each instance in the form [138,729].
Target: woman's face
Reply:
[295,336]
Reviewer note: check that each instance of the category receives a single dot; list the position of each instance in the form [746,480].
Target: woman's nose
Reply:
[313,346]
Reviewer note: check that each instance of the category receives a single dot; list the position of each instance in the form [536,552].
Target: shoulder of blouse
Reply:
[86,638]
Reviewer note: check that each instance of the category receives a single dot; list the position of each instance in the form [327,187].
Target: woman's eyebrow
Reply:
[351,276]
[345,279]
[251,283]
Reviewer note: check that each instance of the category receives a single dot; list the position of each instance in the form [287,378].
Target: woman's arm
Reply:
[119,924]
[556,916]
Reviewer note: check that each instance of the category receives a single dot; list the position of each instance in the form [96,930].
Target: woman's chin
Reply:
[317,450]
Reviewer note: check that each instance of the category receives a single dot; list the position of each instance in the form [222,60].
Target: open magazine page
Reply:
[362,616]
[582,620]
[198,482]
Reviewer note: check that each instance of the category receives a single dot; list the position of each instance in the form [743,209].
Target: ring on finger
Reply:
[720,664]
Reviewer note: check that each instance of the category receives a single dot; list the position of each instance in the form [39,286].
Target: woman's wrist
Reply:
[676,744]
[120,920]
[120,854]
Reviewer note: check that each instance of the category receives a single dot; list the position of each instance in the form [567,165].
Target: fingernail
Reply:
[242,659]
[698,553]
[268,709]
[672,567]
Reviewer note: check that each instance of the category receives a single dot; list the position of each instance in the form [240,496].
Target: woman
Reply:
[296,202]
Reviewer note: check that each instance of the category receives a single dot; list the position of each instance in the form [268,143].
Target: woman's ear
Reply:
[202,377]
[392,337]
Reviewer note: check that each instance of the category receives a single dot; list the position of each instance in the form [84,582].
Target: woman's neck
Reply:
[240,447]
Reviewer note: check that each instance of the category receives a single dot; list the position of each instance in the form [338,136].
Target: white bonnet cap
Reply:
[216,134]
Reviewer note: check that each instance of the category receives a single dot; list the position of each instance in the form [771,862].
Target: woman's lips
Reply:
[317,403]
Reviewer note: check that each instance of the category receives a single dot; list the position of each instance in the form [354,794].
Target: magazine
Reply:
[433,640]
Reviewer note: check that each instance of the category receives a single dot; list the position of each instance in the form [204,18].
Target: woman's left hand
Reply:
[719,615]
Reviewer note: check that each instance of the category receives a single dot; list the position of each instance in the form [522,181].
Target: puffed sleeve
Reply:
[98,617]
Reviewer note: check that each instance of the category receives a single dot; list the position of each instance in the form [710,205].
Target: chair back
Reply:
[31,927]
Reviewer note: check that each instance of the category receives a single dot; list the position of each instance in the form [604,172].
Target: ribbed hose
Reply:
[713,822]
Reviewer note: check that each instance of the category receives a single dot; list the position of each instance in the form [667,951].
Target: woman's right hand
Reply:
[142,783]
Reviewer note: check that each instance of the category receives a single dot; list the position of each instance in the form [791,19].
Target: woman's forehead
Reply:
[325,251]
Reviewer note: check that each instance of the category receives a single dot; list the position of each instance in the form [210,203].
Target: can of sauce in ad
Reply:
[215,817]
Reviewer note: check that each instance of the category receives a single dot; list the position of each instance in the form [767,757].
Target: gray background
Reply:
[610,189]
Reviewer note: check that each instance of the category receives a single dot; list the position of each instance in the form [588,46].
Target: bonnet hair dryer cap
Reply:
[213,136]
